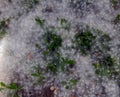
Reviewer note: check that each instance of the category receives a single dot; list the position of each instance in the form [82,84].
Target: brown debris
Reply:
[49,8]
[29,56]
[48,92]
[73,95]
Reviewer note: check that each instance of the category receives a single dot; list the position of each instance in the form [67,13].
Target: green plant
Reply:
[2,34]
[68,62]
[37,45]
[114,2]
[117,19]
[40,21]
[65,24]
[89,40]
[38,75]
[12,87]
[104,41]
[105,37]
[105,66]
[4,23]
[54,63]
[59,63]
[31,3]
[83,41]
[70,83]
[52,41]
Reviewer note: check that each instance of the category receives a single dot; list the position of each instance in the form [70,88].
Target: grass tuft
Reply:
[12,88]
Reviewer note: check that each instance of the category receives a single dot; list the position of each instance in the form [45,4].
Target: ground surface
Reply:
[18,53]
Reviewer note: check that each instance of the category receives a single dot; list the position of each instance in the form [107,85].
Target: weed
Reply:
[89,40]
[105,66]
[83,41]
[31,3]
[37,74]
[66,62]
[114,2]
[12,87]
[105,37]
[2,34]
[59,63]
[52,41]
[117,19]
[70,83]
[65,24]
[104,41]
[4,23]
[40,21]
[37,45]
[3,26]
[52,67]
